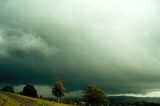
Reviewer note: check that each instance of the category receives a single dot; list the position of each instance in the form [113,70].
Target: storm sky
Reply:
[114,44]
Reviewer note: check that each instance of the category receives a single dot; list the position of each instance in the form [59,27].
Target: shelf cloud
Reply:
[113,44]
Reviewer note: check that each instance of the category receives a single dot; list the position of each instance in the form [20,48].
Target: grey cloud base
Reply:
[109,43]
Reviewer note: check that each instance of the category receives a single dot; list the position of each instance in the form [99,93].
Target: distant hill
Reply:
[130,99]
[122,101]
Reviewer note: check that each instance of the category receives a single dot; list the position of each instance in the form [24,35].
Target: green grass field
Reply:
[44,102]
[6,101]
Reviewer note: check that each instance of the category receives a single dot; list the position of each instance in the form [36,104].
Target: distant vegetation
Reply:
[7,89]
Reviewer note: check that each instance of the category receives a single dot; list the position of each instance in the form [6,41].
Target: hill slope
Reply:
[7,101]
[19,100]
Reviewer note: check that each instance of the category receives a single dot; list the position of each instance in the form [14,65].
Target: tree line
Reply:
[93,95]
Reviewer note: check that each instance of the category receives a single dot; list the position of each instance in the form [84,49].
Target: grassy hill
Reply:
[7,101]
[10,101]
[41,102]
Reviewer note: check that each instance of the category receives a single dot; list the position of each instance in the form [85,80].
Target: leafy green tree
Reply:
[8,89]
[30,90]
[58,89]
[94,96]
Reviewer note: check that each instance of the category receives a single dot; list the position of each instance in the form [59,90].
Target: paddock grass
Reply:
[41,102]
[7,101]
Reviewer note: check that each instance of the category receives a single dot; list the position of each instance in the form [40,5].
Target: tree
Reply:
[29,90]
[58,89]
[94,96]
[7,89]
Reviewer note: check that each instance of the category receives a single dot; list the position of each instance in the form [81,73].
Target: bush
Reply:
[7,89]
[29,90]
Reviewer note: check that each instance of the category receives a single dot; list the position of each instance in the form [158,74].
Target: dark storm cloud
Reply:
[109,43]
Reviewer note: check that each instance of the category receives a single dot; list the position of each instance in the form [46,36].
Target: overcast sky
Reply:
[114,44]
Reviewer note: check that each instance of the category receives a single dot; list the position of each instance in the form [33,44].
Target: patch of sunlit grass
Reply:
[7,101]
[45,102]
